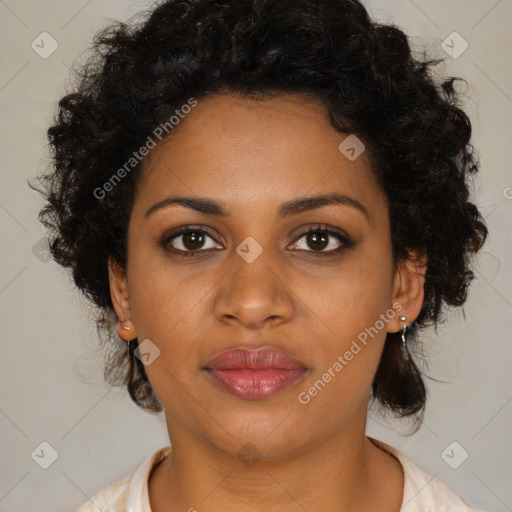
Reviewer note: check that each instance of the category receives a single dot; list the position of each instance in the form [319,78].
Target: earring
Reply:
[127,324]
[124,329]
[403,331]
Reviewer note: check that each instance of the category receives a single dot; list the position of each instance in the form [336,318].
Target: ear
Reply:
[121,300]
[408,289]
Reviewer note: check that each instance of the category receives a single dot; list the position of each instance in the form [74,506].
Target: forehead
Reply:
[254,125]
[245,150]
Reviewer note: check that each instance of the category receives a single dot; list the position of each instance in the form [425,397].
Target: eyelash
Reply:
[346,243]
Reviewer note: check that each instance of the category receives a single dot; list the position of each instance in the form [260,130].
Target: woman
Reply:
[269,199]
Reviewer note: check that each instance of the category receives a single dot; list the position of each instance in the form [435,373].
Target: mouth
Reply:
[255,374]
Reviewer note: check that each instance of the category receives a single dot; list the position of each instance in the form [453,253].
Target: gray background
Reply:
[51,372]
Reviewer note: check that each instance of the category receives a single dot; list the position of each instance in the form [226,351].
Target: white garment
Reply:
[422,492]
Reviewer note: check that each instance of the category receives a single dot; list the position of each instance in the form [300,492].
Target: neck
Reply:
[347,472]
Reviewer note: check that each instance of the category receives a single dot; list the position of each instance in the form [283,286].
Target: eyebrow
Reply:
[293,207]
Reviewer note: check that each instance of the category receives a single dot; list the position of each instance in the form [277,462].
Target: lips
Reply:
[255,374]
[254,359]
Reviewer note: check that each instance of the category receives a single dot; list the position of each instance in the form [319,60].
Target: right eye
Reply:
[187,241]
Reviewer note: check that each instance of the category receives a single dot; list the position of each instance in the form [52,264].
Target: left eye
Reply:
[318,238]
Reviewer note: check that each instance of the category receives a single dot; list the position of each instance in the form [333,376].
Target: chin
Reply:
[266,433]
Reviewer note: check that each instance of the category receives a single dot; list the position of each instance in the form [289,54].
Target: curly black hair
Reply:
[142,72]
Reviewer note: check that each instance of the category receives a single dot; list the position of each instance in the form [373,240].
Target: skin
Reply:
[252,156]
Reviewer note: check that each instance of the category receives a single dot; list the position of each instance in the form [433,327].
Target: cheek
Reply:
[354,311]
[352,299]
[171,306]
[350,346]
[169,311]
[160,293]
[165,306]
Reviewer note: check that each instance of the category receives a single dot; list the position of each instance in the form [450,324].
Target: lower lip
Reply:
[256,384]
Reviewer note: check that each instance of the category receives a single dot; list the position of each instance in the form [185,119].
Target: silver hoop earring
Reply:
[403,331]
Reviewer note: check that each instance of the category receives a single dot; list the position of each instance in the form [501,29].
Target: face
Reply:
[255,277]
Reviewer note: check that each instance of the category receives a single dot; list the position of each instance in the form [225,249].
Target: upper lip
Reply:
[254,359]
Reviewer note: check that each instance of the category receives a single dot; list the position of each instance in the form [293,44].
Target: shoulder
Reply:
[129,492]
[110,499]
[422,491]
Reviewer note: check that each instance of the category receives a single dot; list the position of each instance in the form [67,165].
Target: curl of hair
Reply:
[329,50]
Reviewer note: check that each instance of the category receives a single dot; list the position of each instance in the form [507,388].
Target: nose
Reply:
[254,293]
